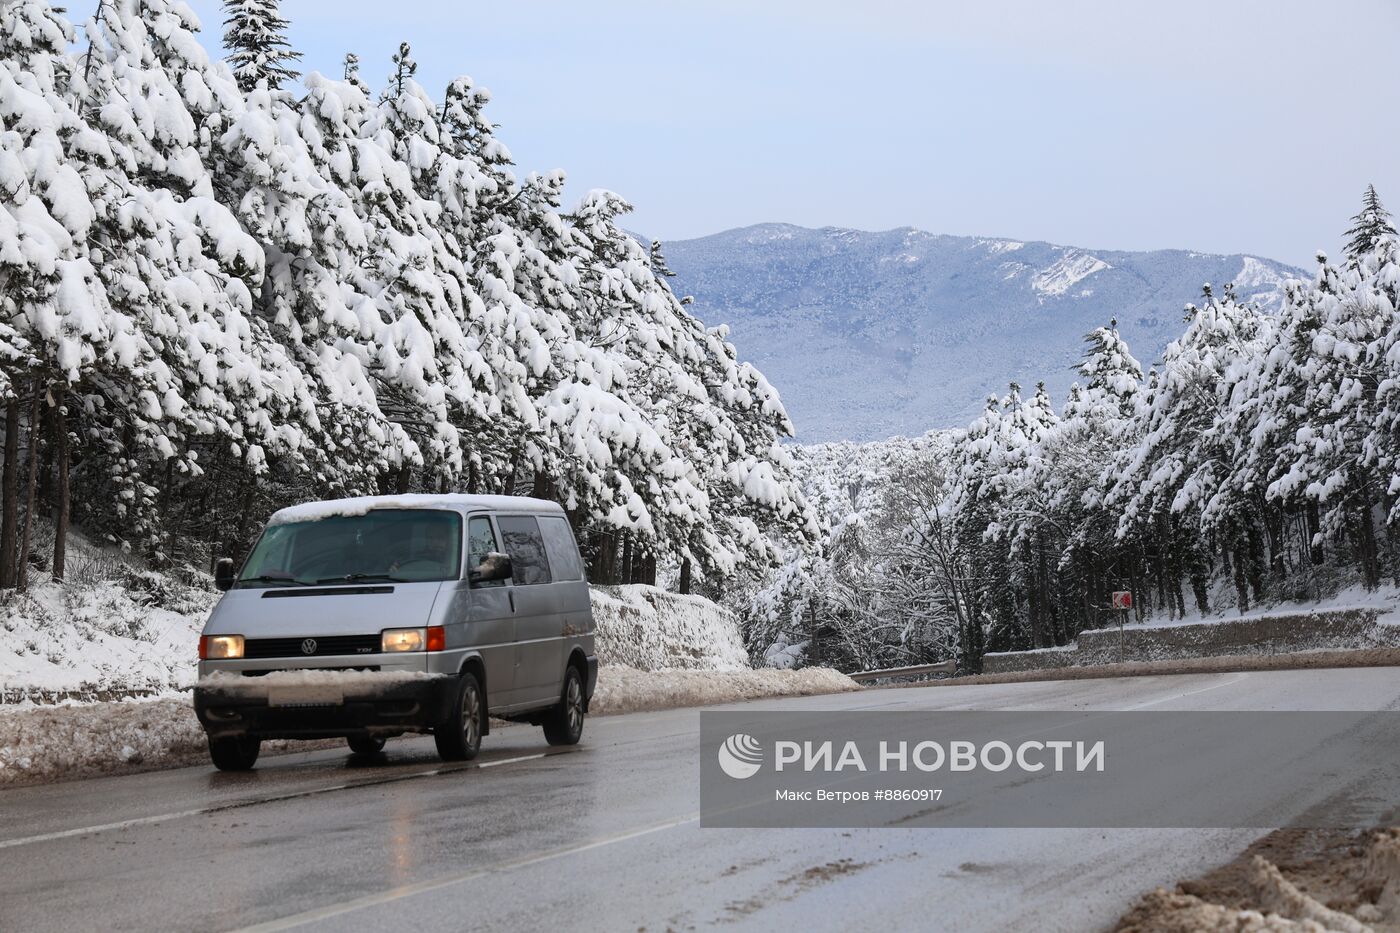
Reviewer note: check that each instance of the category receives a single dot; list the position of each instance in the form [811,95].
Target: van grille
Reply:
[292,647]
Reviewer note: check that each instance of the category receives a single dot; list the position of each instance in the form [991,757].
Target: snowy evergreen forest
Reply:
[1257,461]
[226,287]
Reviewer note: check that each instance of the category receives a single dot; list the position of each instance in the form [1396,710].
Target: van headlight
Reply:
[220,647]
[392,640]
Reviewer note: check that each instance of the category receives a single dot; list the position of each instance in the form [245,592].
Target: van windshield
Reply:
[395,545]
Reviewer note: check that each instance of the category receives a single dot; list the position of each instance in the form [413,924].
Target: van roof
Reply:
[359,505]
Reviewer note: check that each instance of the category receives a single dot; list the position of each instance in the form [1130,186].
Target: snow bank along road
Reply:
[604,836]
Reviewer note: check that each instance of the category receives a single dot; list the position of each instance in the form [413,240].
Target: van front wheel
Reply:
[234,752]
[563,724]
[458,738]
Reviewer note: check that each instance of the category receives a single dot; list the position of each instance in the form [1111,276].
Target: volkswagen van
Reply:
[368,618]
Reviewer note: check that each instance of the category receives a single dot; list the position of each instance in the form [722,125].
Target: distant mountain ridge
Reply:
[872,334]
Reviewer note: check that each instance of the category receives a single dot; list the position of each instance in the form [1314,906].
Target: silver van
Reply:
[367,618]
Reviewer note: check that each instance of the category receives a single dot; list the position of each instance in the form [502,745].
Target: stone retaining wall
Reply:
[1335,630]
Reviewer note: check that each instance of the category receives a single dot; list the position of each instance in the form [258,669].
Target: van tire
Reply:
[563,724]
[458,738]
[234,752]
[365,744]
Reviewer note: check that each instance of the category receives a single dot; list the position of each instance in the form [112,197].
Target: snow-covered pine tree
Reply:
[405,67]
[51,332]
[1163,482]
[350,72]
[1098,419]
[1367,227]
[1329,388]
[186,270]
[720,416]
[487,343]
[658,261]
[255,35]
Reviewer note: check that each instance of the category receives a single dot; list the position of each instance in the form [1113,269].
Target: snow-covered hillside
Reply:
[869,335]
[1257,464]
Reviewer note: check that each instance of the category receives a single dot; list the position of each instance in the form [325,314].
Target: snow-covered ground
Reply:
[648,628]
[112,627]
[627,690]
[1290,880]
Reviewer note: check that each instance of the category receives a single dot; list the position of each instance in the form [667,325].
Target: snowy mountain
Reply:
[873,334]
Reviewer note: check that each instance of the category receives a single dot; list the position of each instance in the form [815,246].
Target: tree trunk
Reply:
[65,501]
[1256,562]
[1037,620]
[1241,583]
[9,498]
[508,486]
[31,485]
[604,558]
[1370,564]
[625,576]
[401,482]
[1159,564]
[1273,518]
[1314,526]
[1200,588]
[168,490]
[684,584]
[48,445]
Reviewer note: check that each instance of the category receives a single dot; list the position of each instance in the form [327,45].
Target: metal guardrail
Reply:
[890,673]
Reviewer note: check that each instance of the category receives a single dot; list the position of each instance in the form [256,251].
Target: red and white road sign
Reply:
[1122,599]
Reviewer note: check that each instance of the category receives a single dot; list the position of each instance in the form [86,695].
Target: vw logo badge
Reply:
[308,646]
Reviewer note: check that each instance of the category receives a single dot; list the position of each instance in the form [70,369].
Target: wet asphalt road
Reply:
[601,837]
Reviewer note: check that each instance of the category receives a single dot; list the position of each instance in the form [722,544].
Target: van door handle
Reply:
[511,594]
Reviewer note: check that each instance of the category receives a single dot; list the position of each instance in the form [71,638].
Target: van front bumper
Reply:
[363,706]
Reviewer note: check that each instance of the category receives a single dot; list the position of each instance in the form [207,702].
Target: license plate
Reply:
[306,695]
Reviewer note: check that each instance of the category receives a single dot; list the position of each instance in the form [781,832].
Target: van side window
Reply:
[526,549]
[559,543]
[481,540]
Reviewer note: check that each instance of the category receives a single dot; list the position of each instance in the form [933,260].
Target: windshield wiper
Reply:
[358,577]
[267,578]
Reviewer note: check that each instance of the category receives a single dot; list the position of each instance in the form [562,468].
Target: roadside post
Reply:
[1123,602]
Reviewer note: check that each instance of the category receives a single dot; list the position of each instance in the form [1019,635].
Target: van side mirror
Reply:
[223,574]
[494,566]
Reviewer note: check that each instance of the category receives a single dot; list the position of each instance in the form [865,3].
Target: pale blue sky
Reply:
[1217,126]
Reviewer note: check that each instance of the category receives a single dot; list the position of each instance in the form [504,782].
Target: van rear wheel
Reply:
[234,752]
[458,738]
[563,724]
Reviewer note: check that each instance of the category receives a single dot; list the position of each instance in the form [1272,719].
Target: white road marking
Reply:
[102,827]
[239,804]
[423,887]
[1189,693]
